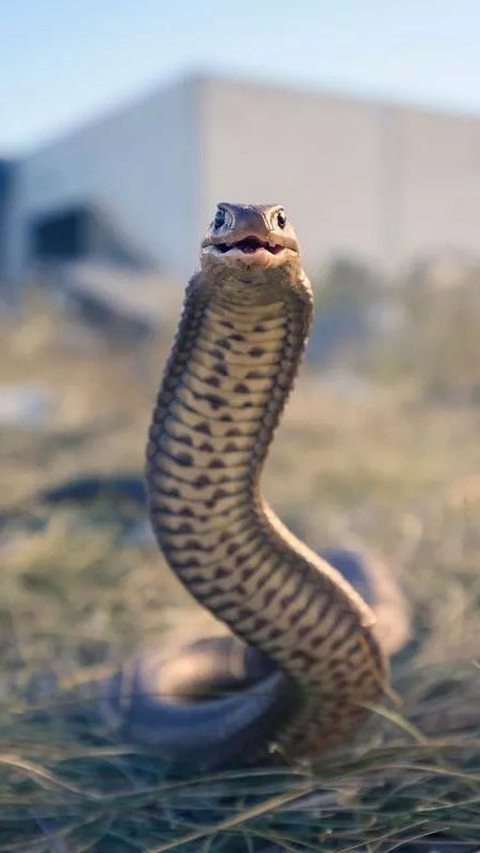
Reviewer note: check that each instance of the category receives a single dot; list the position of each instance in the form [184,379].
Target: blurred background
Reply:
[123,125]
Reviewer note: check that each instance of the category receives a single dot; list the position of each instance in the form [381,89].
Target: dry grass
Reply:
[380,464]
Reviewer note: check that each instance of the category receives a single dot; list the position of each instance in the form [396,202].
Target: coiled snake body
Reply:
[305,660]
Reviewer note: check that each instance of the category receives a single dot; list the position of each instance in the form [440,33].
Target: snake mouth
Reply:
[250,245]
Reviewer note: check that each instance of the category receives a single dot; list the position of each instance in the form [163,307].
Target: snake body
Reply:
[304,661]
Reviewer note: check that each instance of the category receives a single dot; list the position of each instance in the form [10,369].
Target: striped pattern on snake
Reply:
[311,659]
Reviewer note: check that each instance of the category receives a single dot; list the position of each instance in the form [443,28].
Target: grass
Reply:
[385,463]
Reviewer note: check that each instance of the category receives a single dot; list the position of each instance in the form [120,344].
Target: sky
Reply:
[63,61]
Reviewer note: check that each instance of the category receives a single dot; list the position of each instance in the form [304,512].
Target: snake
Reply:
[303,663]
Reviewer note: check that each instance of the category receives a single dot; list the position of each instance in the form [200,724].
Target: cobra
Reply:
[304,660]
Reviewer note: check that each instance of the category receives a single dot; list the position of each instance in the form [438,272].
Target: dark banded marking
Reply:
[248,325]
[273,362]
[298,615]
[212,381]
[352,629]
[224,343]
[219,495]
[226,517]
[209,502]
[209,339]
[240,533]
[233,347]
[241,323]
[217,463]
[190,474]
[199,375]
[220,572]
[193,403]
[231,447]
[290,598]
[249,561]
[203,427]
[174,507]
[215,400]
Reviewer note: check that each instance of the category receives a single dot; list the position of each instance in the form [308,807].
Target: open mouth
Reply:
[250,245]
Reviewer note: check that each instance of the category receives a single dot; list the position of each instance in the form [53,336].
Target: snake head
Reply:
[249,235]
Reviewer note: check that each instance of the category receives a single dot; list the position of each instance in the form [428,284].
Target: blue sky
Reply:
[62,61]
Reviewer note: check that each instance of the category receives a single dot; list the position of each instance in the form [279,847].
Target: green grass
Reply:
[391,466]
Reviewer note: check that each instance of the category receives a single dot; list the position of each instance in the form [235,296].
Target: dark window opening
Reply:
[83,231]
[6,177]
[61,236]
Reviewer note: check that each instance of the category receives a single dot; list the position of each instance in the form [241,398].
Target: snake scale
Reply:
[304,661]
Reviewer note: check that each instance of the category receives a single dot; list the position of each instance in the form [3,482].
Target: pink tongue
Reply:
[249,249]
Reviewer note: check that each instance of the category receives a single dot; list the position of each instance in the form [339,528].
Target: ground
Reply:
[372,451]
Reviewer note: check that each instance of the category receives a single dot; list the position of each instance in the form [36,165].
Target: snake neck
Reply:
[230,372]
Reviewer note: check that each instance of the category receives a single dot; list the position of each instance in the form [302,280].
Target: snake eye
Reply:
[219,219]
[281,219]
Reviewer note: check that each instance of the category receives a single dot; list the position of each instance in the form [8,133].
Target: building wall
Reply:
[138,165]
[438,182]
[376,180]
[373,179]
[321,157]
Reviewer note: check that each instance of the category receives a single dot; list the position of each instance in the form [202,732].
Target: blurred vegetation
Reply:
[379,445]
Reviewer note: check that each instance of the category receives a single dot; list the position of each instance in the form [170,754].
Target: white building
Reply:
[378,180]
